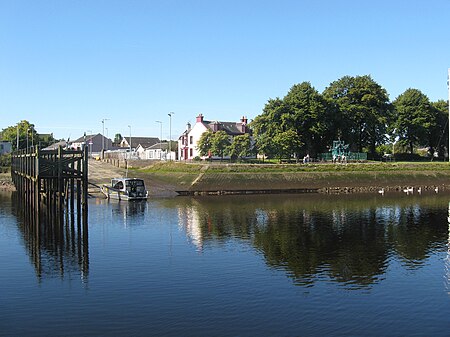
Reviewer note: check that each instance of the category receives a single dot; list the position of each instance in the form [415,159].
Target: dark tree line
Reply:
[356,110]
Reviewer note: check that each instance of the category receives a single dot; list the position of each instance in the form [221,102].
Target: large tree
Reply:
[309,116]
[240,147]
[438,133]
[26,132]
[287,144]
[220,143]
[305,112]
[213,143]
[414,118]
[267,125]
[363,111]
[204,144]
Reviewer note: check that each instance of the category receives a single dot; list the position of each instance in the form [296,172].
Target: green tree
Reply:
[363,110]
[117,138]
[267,125]
[220,143]
[309,116]
[438,135]
[413,118]
[204,144]
[25,130]
[286,144]
[240,147]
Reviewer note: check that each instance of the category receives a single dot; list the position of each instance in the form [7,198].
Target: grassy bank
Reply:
[238,177]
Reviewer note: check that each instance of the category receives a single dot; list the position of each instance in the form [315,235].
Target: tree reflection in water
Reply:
[348,239]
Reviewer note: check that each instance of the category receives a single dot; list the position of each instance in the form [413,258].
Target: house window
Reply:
[191,152]
[191,139]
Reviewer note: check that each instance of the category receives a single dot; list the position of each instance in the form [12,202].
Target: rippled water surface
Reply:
[278,265]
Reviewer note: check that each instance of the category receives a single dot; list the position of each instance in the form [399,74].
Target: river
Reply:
[267,265]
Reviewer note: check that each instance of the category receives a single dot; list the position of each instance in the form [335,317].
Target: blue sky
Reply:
[66,65]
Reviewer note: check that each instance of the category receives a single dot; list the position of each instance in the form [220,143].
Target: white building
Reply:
[134,142]
[156,152]
[187,142]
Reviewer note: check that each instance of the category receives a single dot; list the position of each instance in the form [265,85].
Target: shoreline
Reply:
[186,179]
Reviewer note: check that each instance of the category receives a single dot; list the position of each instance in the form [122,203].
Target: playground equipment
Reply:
[341,152]
[340,149]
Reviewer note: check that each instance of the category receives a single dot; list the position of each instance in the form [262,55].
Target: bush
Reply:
[410,157]
[5,160]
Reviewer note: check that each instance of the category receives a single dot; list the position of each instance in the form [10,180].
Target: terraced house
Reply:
[187,142]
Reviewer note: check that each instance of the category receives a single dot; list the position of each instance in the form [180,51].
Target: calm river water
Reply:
[278,265]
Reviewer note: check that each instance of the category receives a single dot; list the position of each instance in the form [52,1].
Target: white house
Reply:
[145,142]
[157,151]
[187,142]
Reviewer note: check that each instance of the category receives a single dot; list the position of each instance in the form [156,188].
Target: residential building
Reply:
[187,142]
[96,143]
[5,147]
[156,152]
[55,146]
[145,142]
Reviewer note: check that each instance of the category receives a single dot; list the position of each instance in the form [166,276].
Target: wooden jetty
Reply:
[52,190]
[56,178]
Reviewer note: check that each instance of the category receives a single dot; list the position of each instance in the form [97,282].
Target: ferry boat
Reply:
[125,189]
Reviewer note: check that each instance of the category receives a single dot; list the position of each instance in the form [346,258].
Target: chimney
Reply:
[188,126]
[215,126]
[200,118]
[243,124]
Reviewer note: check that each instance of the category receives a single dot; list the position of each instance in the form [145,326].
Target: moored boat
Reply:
[125,189]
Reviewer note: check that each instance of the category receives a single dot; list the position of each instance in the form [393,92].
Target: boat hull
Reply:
[115,194]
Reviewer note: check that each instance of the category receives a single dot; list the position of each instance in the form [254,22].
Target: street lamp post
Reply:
[107,137]
[170,134]
[130,139]
[160,139]
[27,137]
[32,139]
[90,143]
[103,134]
[448,87]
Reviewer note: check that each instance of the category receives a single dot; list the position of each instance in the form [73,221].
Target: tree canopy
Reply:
[363,111]
[27,135]
[414,116]
[354,109]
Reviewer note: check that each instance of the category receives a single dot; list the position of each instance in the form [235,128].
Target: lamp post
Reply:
[170,134]
[160,139]
[448,87]
[107,137]
[90,142]
[103,134]
[32,139]
[27,137]
[130,139]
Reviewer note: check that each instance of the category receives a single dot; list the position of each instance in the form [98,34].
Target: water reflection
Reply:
[447,259]
[131,212]
[56,245]
[343,239]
